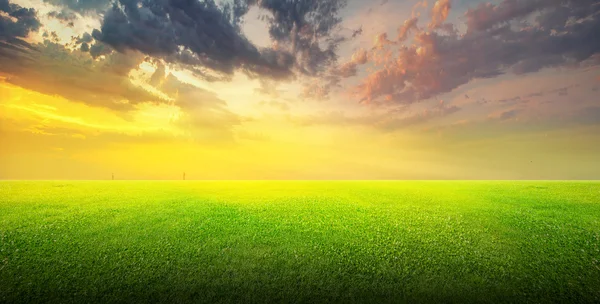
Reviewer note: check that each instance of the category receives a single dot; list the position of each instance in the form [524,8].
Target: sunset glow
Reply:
[443,89]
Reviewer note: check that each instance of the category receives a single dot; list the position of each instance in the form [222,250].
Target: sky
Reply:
[299,89]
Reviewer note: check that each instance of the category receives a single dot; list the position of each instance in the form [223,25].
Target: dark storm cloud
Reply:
[187,32]
[84,47]
[300,25]
[99,49]
[85,38]
[496,42]
[208,37]
[82,6]
[84,42]
[16,22]
[63,15]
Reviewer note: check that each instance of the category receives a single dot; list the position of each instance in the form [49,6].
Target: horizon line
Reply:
[316,180]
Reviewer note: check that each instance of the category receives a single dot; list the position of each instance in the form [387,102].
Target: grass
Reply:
[299,242]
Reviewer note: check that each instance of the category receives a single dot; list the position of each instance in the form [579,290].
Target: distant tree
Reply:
[183,175]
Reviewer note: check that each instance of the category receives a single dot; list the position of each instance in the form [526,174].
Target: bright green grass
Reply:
[168,242]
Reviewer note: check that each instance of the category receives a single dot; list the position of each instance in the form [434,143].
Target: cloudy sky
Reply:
[300,89]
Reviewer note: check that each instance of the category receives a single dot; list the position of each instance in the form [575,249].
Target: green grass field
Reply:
[299,242]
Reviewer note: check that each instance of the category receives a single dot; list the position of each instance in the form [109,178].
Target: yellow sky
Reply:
[48,137]
[68,116]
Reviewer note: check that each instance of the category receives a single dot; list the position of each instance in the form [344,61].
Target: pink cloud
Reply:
[348,69]
[440,60]
[408,26]
[439,13]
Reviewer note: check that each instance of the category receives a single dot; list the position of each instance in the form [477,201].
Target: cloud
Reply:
[523,98]
[191,33]
[16,22]
[99,49]
[202,115]
[381,41]
[439,13]
[85,38]
[52,69]
[349,68]
[85,7]
[159,74]
[303,26]
[406,28]
[487,15]
[320,88]
[207,38]
[496,43]
[357,32]
[316,90]
[104,81]
[63,15]
[84,42]
[561,91]
[505,115]
[268,88]
[389,121]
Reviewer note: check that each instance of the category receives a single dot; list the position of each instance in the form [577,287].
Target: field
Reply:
[299,241]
